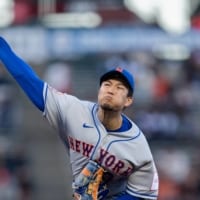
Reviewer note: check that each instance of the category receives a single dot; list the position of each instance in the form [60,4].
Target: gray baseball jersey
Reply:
[125,154]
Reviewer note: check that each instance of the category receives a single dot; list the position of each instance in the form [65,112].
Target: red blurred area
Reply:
[25,11]
[196,22]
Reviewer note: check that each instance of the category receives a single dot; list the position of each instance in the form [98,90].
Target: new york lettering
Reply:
[107,160]
[80,147]
[111,162]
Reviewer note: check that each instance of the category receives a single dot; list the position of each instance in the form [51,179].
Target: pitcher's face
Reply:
[113,95]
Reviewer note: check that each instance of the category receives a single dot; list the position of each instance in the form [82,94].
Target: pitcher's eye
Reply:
[106,84]
[121,87]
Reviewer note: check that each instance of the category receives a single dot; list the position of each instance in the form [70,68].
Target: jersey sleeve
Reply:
[143,180]
[58,106]
[144,183]
[31,84]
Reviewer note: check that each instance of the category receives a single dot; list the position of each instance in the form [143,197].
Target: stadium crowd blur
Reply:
[166,101]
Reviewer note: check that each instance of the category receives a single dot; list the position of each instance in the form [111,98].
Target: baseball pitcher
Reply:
[110,157]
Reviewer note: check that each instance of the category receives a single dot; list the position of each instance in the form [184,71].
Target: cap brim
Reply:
[115,75]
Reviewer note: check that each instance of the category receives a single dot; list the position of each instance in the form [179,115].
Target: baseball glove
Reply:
[89,184]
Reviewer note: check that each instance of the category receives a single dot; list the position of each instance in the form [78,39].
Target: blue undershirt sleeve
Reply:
[31,84]
[126,196]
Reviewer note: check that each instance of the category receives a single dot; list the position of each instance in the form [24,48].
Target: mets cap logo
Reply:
[119,69]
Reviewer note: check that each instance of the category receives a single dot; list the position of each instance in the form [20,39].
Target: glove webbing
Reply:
[93,186]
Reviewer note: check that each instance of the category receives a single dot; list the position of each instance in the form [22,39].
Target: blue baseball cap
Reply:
[120,74]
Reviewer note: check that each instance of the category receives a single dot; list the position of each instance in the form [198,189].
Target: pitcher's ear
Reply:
[129,101]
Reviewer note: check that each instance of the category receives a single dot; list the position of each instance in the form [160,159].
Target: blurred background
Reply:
[70,44]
